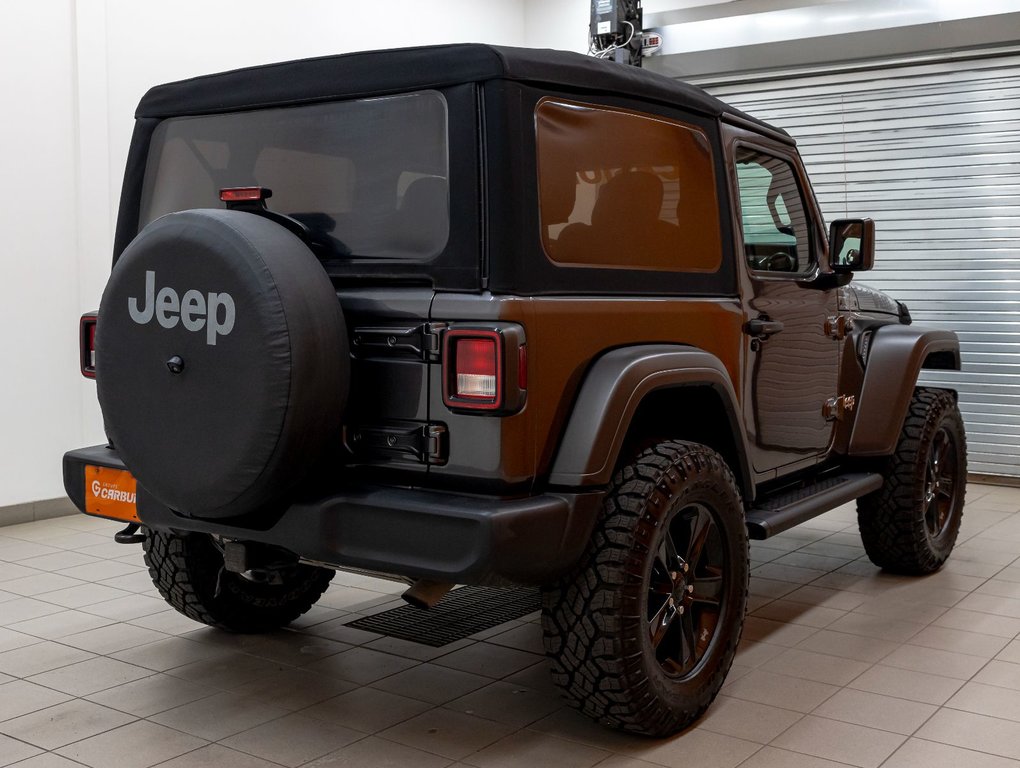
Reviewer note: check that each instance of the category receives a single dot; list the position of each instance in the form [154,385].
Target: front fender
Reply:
[610,395]
[897,354]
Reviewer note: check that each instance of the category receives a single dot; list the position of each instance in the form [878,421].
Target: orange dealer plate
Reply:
[110,493]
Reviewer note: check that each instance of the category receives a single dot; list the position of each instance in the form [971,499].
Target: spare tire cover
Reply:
[221,361]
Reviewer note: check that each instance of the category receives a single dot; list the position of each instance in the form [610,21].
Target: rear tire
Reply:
[188,572]
[910,524]
[642,633]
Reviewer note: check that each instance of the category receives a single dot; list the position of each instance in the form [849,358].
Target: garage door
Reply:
[932,153]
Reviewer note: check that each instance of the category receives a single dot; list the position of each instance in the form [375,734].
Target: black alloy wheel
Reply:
[641,634]
[686,590]
[941,483]
[910,524]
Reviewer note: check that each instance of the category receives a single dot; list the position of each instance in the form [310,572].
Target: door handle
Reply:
[762,327]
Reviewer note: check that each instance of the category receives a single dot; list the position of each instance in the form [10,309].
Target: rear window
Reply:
[369,177]
[623,189]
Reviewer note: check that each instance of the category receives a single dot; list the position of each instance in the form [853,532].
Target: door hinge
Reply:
[838,408]
[426,443]
[838,326]
[421,341]
[433,443]
[431,334]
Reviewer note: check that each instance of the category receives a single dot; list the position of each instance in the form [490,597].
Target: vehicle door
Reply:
[791,361]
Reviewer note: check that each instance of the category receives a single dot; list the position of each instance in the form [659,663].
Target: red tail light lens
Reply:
[87,345]
[474,369]
[244,194]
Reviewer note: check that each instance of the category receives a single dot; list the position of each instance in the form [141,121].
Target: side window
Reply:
[626,190]
[777,233]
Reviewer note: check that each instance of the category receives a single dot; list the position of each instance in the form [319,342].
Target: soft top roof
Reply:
[374,73]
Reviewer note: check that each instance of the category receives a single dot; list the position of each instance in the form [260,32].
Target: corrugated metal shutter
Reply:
[932,153]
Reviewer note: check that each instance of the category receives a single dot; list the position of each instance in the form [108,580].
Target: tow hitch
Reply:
[129,535]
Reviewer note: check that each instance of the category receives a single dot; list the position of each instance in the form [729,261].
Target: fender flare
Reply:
[610,395]
[896,357]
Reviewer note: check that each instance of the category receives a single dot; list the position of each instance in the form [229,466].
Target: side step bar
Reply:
[787,509]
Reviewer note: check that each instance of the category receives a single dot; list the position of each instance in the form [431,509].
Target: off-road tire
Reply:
[894,525]
[597,628]
[187,569]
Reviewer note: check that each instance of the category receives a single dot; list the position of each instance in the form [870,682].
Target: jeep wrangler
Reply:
[475,315]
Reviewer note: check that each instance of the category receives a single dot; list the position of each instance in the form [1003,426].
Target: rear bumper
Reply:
[443,536]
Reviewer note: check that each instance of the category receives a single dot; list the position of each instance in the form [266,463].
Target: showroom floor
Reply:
[840,665]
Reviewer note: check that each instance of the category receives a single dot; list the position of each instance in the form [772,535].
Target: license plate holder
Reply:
[110,493]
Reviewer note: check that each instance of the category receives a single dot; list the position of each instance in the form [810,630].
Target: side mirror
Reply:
[852,245]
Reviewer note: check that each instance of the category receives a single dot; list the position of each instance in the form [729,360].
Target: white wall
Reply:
[149,43]
[71,73]
[561,24]
[40,409]
[125,47]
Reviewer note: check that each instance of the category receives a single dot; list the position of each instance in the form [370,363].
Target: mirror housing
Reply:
[852,245]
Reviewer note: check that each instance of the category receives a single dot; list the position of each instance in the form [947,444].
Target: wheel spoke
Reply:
[942,448]
[940,483]
[667,553]
[662,587]
[931,514]
[931,474]
[690,642]
[708,590]
[661,621]
[660,579]
[701,525]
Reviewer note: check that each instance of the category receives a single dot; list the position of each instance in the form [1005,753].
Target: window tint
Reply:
[777,233]
[368,177]
[626,190]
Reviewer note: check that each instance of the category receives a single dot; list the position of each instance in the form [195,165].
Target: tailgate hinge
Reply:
[421,341]
[433,443]
[427,443]
[431,336]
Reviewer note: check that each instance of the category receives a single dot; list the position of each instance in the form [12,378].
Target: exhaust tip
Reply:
[426,594]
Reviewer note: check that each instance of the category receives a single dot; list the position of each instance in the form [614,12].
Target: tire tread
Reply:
[184,571]
[595,663]
[893,537]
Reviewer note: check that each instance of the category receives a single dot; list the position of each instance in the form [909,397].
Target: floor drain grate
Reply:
[460,614]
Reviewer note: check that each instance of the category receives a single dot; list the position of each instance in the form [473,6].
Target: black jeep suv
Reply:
[478,315]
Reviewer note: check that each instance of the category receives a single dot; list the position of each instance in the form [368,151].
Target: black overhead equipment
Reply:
[615,30]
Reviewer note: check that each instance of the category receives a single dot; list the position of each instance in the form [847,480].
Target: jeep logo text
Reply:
[194,310]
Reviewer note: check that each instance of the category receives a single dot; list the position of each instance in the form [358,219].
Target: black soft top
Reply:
[374,73]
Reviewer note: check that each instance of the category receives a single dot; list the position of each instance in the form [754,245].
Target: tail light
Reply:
[87,345]
[484,369]
[245,194]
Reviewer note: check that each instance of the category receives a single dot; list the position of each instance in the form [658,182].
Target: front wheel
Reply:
[642,633]
[910,524]
[188,570]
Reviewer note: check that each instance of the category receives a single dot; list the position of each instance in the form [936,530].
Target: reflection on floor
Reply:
[840,665]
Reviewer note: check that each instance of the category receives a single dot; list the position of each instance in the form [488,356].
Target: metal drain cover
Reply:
[460,614]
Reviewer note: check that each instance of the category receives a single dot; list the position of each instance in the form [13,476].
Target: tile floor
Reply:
[840,665]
